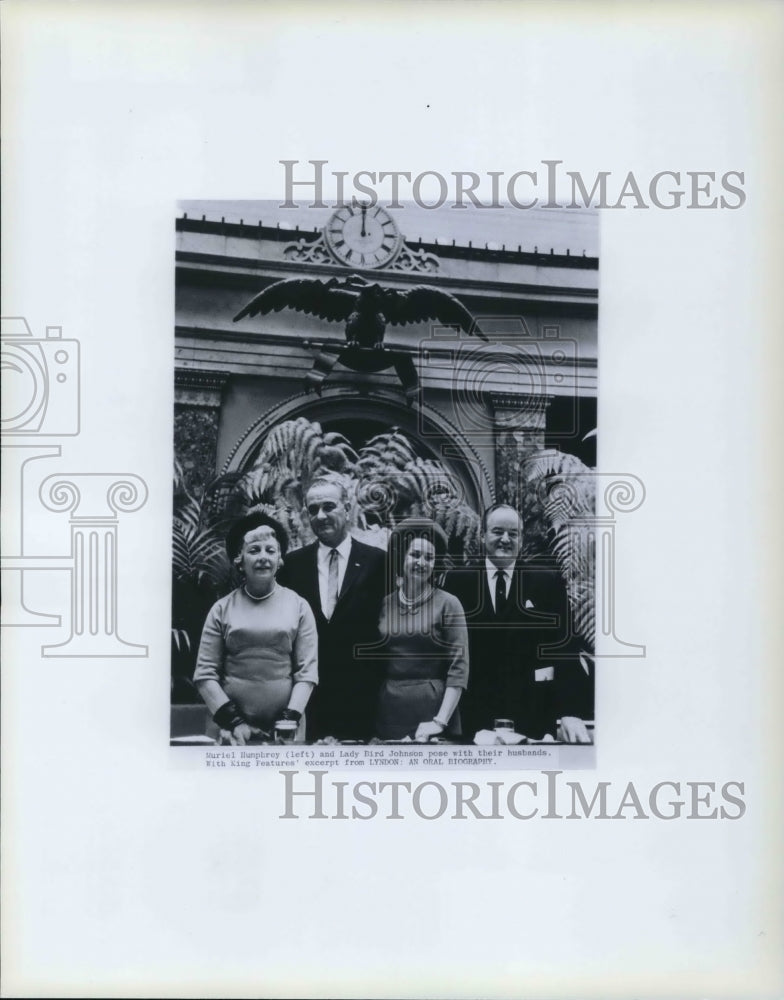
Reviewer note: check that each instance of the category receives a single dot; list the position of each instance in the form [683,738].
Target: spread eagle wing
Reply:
[330,300]
[425,303]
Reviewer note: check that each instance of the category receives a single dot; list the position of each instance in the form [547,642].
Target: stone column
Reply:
[197,403]
[519,428]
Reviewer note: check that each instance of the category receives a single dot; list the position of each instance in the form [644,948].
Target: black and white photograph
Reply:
[384,441]
[391,448]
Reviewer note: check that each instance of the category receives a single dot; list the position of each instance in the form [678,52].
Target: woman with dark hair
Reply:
[425,640]
[258,658]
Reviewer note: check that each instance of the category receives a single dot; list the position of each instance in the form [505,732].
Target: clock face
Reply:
[363,236]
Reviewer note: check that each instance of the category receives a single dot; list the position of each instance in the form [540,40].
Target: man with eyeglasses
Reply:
[514,610]
[343,580]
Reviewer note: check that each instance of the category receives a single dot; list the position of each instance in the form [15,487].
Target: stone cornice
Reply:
[256,339]
[192,379]
[505,401]
[199,387]
[445,250]
[221,269]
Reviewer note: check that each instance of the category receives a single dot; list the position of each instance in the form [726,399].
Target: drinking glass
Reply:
[285,730]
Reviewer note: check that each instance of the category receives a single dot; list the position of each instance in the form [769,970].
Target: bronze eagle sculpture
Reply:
[365,308]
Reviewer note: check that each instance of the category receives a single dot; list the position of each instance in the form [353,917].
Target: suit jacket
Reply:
[508,647]
[344,703]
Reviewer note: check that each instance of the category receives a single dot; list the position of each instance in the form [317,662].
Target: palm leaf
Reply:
[198,551]
[558,501]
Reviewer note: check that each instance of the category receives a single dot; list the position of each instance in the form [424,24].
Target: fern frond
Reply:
[558,500]
[389,451]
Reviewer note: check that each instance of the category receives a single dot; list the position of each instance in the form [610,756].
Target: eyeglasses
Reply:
[328,507]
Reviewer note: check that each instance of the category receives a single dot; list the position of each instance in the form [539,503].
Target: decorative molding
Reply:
[193,387]
[415,260]
[317,252]
[513,401]
[513,412]
[309,251]
[189,378]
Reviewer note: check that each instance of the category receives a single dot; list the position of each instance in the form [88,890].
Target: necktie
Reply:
[500,591]
[332,584]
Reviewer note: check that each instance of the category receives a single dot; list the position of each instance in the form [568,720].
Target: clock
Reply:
[363,236]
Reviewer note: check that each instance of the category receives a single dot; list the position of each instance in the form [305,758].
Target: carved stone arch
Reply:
[429,428]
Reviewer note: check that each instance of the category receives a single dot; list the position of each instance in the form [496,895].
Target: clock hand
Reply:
[364,210]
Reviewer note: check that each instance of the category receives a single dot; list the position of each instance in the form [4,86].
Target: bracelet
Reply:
[290,715]
[228,716]
[438,722]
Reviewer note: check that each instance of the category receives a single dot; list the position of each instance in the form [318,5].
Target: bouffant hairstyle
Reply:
[405,533]
[250,522]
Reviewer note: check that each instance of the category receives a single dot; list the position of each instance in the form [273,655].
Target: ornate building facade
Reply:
[480,407]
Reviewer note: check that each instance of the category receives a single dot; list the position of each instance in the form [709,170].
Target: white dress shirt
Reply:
[343,551]
[491,570]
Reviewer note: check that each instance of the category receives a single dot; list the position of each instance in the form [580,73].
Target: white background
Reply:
[125,876]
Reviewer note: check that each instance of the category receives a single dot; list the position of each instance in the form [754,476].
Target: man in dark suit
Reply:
[514,611]
[343,580]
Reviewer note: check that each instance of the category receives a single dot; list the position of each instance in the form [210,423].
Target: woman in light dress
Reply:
[258,657]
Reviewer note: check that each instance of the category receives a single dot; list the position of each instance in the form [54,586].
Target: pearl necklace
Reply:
[263,596]
[413,602]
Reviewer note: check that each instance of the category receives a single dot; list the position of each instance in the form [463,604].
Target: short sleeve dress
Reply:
[253,652]
[426,646]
